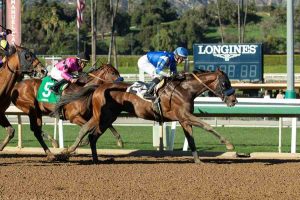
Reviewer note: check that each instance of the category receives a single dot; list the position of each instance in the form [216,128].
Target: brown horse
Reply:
[20,62]
[24,96]
[176,104]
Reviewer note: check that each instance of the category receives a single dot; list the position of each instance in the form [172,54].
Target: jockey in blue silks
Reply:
[153,63]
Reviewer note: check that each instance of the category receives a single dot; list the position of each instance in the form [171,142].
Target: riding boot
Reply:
[56,86]
[149,93]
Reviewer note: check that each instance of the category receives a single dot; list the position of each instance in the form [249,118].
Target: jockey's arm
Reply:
[71,65]
[65,71]
[66,76]
[161,64]
[173,68]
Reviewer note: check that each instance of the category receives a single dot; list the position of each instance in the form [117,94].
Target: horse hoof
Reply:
[120,143]
[63,157]
[54,144]
[96,161]
[198,161]
[51,157]
[65,151]
[229,147]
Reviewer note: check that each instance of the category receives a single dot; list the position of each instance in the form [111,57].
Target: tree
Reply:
[164,40]
[46,33]
[112,45]
[191,27]
[220,21]
[148,16]
[103,17]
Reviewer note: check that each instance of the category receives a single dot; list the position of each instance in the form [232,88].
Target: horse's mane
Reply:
[17,47]
[84,76]
[200,71]
[184,75]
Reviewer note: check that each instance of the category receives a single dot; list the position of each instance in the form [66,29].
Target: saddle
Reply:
[139,88]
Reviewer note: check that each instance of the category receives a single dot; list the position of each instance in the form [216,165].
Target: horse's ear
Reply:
[219,70]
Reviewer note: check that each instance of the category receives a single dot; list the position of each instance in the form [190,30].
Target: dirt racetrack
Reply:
[147,177]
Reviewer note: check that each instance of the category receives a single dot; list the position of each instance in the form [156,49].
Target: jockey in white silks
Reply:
[153,63]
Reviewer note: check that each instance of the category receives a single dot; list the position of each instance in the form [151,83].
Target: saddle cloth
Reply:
[139,88]
[44,92]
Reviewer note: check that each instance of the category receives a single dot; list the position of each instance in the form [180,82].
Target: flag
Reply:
[80,7]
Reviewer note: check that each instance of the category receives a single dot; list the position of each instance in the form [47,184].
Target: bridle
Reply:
[224,93]
[28,63]
[105,72]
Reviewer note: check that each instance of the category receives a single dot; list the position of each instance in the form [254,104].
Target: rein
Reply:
[198,79]
[94,76]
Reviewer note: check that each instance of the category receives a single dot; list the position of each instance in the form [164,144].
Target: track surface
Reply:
[147,177]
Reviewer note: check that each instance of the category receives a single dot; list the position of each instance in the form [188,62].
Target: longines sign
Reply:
[239,61]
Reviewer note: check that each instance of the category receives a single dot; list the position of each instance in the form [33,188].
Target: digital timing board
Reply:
[239,61]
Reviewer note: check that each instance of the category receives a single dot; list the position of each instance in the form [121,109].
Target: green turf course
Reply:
[246,140]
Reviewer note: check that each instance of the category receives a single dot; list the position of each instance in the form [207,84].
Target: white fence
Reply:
[277,107]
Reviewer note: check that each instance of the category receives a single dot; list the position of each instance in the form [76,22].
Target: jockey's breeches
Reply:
[56,74]
[146,66]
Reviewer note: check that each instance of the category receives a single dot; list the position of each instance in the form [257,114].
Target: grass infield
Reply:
[246,140]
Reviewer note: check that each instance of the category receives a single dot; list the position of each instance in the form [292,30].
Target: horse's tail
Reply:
[84,94]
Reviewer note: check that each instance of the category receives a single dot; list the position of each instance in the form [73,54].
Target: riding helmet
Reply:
[181,51]
[83,56]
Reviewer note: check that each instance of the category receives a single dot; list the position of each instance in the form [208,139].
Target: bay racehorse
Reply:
[20,61]
[24,96]
[176,104]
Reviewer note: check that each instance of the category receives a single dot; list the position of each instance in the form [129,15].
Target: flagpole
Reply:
[80,7]
[78,40]
[78,24]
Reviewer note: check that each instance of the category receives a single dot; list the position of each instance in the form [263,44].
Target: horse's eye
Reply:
[27,56]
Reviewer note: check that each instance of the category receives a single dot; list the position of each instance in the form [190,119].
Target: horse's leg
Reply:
[188,132]
[79,120]
[36,128]
[85,141]
[88,127]
[9,130]
[120,142]
[93,144]
[50,138]
[115,133]
[194,121]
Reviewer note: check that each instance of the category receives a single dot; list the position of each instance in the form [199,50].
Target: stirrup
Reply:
[54,90]
[149,96]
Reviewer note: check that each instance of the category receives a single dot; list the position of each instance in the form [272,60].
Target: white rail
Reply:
[204,102]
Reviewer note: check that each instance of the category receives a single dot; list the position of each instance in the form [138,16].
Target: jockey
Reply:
[61,71]
[153,64]
[4,46]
